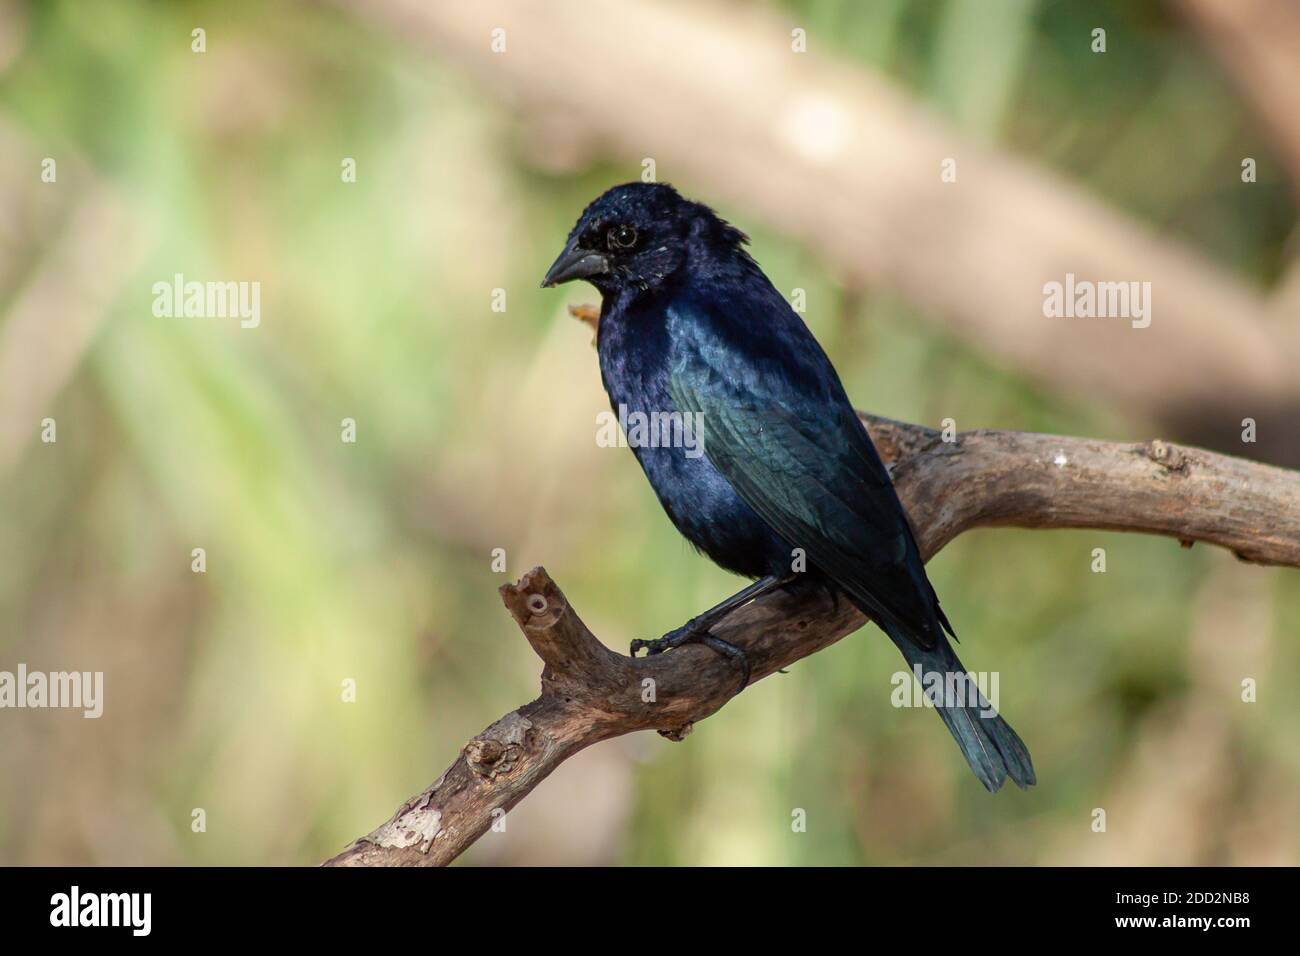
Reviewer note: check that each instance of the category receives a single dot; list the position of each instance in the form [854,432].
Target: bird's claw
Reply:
[683,635]
[729,650]
[687,634]
[650,647]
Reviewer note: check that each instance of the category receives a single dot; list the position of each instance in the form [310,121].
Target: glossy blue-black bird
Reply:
[689,324]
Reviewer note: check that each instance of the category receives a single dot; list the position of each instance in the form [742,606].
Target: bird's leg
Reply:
[696,627]
[696,630]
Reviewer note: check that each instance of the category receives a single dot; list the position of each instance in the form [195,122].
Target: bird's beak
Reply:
[575,263]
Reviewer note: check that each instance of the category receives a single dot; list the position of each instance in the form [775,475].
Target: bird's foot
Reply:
[688,633]
[691,633]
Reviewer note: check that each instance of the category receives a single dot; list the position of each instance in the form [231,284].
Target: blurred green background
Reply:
[371,561]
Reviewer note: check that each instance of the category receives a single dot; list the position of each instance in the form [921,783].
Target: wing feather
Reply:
[818,483]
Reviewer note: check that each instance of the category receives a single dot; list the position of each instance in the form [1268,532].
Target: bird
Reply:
[789,488]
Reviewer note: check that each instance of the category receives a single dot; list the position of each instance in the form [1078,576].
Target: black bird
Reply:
[690,324]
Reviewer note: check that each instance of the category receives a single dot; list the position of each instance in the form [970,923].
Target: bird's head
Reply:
[637,237]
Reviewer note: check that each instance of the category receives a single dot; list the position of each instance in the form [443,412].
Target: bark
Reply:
[983,478]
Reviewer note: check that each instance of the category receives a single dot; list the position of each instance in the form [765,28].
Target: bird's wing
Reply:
[809,469]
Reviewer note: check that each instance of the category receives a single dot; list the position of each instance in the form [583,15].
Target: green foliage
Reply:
[372,561]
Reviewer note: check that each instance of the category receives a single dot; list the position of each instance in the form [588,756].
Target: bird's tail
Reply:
[993,750]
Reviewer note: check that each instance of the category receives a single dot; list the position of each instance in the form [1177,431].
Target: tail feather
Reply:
[993,750]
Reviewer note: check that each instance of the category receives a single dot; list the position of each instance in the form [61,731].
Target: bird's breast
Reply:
[667,443]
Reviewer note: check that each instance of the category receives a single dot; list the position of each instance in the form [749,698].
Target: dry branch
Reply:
[983,478]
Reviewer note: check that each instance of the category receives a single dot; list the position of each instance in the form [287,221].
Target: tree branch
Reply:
[981,479]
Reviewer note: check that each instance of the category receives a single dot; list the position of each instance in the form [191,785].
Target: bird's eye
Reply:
[622,237]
